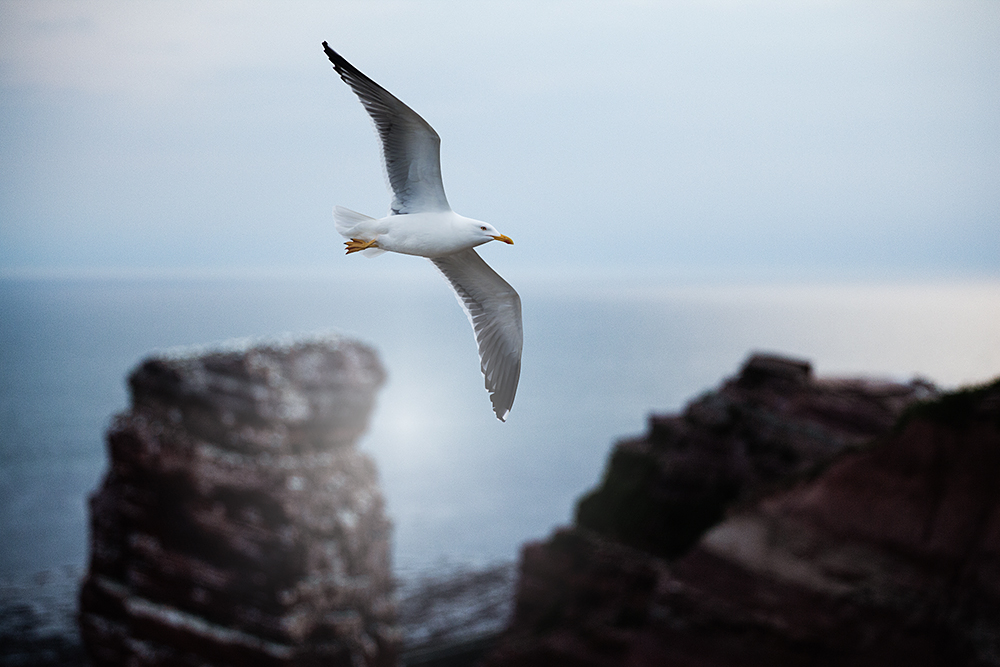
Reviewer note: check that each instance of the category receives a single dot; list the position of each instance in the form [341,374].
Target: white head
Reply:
[484,232]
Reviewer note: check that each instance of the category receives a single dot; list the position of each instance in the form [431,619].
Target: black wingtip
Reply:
[331,54]
[339,62]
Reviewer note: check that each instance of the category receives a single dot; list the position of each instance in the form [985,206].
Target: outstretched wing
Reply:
[410,146]
[494,309]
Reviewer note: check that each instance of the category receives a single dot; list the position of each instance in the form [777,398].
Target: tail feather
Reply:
[351,225]
[347,222]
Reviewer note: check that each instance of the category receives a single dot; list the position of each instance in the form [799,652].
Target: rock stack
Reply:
[855,525]
[238,523]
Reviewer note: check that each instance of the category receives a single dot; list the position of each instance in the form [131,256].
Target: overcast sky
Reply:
[801,138]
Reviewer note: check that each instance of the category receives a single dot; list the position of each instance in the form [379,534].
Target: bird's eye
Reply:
[483,228]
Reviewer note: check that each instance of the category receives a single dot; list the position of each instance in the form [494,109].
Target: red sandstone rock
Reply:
[661,492]
[888,556]
[238,524]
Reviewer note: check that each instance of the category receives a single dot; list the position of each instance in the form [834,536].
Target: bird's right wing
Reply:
[494,309]
[411,149]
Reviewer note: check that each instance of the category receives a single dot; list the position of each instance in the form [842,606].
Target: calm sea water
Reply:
[461,487]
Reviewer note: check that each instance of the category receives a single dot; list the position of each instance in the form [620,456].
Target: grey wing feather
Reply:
[410,146]
[494,309]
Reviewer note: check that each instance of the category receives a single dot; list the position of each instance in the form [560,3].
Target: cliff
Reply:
[838,541]
[773,421]
[238,523]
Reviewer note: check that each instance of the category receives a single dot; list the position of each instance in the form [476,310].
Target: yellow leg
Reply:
[356,245]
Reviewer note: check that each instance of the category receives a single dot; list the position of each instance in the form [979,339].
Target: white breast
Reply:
[429,234]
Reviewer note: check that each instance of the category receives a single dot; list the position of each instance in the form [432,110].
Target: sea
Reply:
[601,354]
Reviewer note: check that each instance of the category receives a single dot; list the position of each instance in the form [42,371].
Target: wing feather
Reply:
[494,309]
[411,149]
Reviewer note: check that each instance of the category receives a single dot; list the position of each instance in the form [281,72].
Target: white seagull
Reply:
[420,222]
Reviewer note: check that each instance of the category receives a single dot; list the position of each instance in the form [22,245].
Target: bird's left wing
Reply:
[494,309]
[411,149]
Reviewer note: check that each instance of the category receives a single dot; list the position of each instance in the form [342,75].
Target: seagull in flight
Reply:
[420,222]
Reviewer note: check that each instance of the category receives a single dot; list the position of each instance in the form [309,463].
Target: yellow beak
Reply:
[504,238]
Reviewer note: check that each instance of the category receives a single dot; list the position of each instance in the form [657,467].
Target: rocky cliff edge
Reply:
[781,520]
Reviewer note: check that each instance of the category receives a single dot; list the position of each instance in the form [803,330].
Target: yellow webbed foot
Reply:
[357,245]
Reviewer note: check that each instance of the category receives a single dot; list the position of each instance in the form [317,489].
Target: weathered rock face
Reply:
[238,524]
[661,492]
[890,555]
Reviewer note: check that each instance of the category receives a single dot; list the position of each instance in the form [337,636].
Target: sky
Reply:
[698,138]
